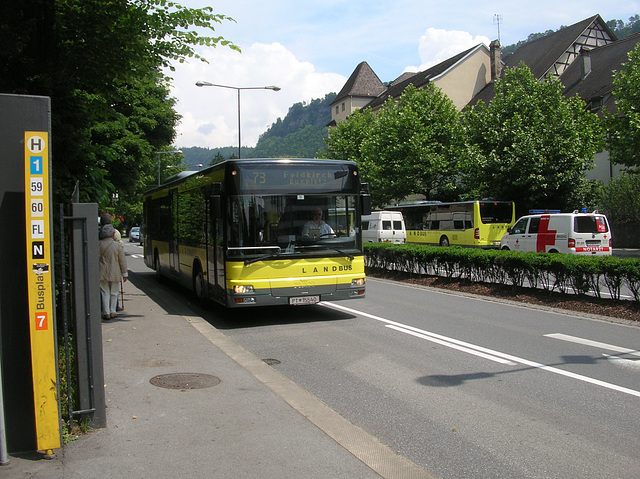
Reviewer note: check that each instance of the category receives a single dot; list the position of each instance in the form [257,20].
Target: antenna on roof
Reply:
[497,20]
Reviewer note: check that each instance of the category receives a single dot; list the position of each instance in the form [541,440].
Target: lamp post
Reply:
[238,89]
[160,161]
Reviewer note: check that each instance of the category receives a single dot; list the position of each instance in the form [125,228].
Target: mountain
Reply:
[300,134]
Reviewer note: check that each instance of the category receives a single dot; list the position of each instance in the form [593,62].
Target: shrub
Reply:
[560,272]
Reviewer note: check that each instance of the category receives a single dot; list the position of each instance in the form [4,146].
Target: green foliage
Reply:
[624,126]
[303,143]
[101,63]
[302,133]
[531,144]
[346,138]
[552,272]
[620,200]
[411,146]
[622,29]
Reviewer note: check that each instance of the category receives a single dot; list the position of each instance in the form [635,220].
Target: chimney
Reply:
[585,56]
[496,62]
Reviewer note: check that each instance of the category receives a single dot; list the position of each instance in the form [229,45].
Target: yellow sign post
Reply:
[40,287]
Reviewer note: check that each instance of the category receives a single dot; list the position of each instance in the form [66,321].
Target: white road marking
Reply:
[509,357]
[596,344]
[615,359]
[137,256]
[624,362]
[469,348]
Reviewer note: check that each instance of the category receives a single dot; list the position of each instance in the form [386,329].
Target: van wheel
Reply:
[199,286]
[444,241]
[505,248]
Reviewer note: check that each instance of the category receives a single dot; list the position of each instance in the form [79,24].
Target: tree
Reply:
[413,146]
[621,200]
[346,138]
[217,158]
[624,127]
[531,144]
[101,63]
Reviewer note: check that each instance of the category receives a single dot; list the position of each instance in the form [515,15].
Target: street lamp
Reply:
[238,88]
[160,161]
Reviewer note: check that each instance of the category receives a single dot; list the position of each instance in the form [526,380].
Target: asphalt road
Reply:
[462,386]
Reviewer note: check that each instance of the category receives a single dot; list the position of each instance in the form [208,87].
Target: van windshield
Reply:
[590,224]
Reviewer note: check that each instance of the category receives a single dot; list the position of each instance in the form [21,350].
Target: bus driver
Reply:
[316,227]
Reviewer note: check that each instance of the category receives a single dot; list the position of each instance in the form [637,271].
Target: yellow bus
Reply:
[475,224]
[251,232]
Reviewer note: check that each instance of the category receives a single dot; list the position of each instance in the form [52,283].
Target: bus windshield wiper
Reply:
[326,246]
[247,249]
[261,258]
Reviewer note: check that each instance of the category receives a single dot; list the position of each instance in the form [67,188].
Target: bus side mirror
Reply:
[365,204]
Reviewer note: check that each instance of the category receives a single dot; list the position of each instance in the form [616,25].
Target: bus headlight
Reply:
[242,289]
[357,282]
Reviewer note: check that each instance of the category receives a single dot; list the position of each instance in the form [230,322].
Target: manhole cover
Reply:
[184,381]
[271,361]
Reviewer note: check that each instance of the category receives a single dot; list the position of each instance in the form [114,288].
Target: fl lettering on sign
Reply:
[40,289]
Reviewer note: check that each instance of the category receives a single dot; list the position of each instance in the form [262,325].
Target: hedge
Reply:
[552,272]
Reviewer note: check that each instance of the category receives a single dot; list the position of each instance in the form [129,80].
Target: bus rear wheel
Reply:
[444,241]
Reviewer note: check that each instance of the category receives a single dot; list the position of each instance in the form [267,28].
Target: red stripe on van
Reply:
[546,237]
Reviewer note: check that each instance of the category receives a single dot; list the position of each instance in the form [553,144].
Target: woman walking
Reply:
[113,269]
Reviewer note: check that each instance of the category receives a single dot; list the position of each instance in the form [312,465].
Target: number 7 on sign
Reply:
[41,321]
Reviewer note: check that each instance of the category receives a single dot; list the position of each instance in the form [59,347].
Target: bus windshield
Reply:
[496,212]
[301,225]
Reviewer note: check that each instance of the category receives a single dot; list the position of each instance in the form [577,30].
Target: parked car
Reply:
[134,234]
[574,233]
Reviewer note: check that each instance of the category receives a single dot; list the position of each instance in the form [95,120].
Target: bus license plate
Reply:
[304,300]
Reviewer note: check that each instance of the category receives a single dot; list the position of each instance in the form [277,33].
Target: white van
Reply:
[384,227]
[574,233]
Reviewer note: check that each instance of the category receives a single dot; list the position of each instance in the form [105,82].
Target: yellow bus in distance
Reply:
[474,224]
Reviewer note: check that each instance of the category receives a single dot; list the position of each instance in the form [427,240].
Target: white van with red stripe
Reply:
[574,233]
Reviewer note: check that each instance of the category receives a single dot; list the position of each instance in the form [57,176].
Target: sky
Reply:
[309,48]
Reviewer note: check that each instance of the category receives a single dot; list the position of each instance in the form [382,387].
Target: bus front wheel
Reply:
[444,241]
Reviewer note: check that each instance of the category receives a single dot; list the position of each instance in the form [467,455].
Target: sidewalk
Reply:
[254,423]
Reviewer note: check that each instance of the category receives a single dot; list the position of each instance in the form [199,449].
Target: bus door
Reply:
[215,248]
[174,263]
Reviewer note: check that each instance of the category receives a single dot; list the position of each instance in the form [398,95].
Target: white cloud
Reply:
[437,45]
[210,113]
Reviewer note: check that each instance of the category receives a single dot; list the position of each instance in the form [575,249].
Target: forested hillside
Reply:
[301,133]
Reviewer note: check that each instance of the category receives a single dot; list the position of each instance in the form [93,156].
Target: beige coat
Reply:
[113,265]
